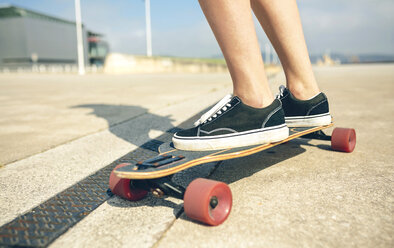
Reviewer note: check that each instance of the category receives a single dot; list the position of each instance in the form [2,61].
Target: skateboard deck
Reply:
[171,160]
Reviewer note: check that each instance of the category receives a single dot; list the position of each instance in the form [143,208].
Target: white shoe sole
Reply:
[247,138]
[309,121]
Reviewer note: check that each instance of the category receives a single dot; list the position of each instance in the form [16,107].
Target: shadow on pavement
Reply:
[135,134]
[324,146]
[148,201]
[233,170]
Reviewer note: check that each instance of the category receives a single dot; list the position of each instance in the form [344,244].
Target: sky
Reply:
[180,29]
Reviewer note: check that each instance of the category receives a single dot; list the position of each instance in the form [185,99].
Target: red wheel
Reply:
[208,201]
[121,186]
[343,139]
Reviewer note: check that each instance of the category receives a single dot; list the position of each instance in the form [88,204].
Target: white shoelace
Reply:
[281,92]
[216,110]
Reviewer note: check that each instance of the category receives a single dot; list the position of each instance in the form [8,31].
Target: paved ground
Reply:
[298,194]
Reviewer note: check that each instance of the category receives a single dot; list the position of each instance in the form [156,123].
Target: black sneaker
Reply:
[230,123]
[307,113]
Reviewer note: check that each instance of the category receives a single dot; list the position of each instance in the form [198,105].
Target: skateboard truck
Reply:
[319,135]
[160,187]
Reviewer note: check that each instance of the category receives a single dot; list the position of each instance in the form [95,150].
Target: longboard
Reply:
[205,200]
[171,160]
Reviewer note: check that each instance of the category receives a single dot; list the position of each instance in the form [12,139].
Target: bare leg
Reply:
[232,23]
[281,22]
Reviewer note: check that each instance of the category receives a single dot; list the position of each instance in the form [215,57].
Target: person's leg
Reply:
[281,22]
[232,23]
[251,116]
[302,101]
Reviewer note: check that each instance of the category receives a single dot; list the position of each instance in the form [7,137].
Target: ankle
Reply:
[303,91]
[255,100]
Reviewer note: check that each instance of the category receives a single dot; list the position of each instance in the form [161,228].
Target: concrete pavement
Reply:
[298,194]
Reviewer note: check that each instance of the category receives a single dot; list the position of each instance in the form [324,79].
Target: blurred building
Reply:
[29,38]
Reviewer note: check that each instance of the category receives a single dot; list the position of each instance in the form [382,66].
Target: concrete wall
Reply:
[117,63]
